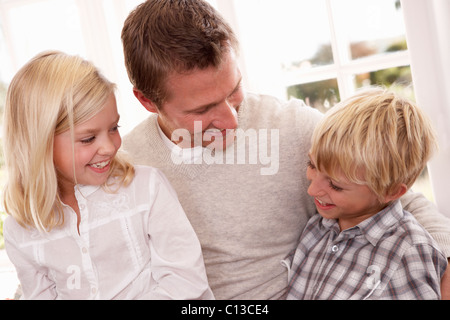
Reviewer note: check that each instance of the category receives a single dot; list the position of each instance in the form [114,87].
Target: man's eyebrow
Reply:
[213,104]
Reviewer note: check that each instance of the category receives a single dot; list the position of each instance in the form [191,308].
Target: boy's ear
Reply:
[401,190]
[147,103]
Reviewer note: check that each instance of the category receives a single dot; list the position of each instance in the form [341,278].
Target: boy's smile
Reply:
[348,202]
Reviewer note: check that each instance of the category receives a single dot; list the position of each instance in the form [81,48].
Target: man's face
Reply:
[204,103]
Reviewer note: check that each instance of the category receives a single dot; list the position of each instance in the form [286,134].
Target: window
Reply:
[306,44]
[321,51]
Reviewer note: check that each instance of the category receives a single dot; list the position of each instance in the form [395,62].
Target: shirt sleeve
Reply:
[35,284]
[418,276]
[177,264]
[430,218]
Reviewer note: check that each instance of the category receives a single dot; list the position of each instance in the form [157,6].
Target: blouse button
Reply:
[84,250]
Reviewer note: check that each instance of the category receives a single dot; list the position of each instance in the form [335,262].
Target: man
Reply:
[237,161]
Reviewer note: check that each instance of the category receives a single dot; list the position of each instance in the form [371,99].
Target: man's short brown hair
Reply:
[165,36]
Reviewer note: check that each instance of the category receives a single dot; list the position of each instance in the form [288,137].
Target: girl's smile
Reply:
[96,143]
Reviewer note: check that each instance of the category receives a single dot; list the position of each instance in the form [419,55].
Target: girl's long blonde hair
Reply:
[49,95]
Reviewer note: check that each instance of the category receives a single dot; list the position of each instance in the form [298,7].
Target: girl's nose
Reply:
[108,147]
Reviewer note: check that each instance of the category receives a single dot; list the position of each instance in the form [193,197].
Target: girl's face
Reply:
[96,143]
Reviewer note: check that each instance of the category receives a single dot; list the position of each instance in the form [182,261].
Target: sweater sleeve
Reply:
[430,218]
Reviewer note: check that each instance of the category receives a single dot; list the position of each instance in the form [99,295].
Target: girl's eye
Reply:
[334,187]
[88,140]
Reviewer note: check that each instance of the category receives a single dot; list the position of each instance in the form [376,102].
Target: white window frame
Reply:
[343,69]
[428,36]
[428,33]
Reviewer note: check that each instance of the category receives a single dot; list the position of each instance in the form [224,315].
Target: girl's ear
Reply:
[147,103]
[400,191]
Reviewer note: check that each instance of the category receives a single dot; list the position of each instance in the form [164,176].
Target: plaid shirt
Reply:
[387,256]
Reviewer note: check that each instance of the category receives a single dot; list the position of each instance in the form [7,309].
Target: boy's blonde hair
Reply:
[376,138]
[49,95]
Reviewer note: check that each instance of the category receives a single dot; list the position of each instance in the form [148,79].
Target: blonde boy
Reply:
[366,153]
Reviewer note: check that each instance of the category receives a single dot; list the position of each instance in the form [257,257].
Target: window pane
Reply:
[371,26]
[321,95]
[45,25]
[132,4]
[5,72]
[289,32]
[400,76]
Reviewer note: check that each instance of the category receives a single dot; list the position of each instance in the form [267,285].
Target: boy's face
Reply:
[348,202]
[96,143]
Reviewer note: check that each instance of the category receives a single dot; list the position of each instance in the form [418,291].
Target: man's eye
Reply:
[201,111]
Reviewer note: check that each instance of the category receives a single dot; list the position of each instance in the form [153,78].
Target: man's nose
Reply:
[225,116]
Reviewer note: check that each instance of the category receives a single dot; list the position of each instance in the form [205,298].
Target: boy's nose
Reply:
[316,186]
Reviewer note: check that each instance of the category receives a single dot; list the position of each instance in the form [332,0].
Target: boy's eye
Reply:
[310,164]
[335,187]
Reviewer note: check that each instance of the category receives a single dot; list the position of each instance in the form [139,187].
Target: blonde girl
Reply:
[84,223]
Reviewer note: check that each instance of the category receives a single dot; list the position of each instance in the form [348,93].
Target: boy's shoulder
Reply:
[412,231]
[409,237]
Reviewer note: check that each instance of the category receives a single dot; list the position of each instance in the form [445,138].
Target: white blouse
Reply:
[136,243]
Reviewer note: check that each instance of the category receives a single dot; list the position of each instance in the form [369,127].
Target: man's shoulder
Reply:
[142,128]
[256,100]
[138,141]
[266,108]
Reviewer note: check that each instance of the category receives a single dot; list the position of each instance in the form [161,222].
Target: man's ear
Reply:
[147,103]
[397,193]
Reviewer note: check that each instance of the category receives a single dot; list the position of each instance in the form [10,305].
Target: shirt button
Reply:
[334,248]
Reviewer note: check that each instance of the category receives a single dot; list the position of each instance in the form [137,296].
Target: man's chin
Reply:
[219,141]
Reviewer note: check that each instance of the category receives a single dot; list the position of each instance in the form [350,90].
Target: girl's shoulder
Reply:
[16,233]
[148,175]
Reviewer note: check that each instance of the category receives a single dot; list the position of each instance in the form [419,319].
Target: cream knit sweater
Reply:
[249,211]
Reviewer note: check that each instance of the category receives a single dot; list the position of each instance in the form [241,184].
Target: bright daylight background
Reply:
[317,50]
